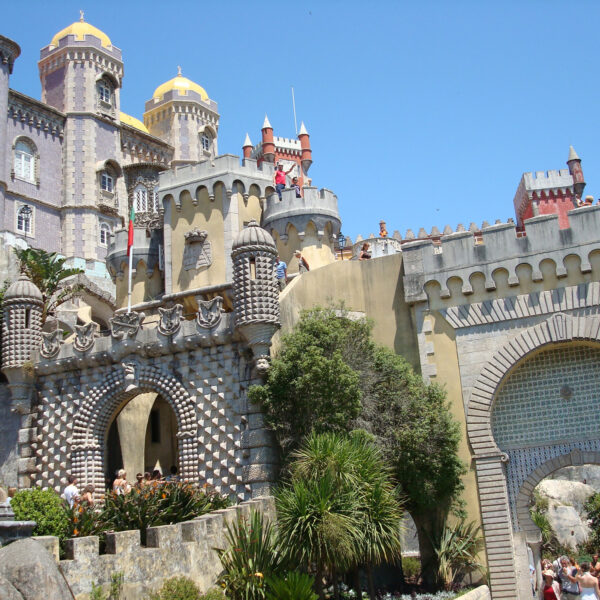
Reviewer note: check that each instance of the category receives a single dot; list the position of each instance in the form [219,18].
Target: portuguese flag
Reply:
[130,232]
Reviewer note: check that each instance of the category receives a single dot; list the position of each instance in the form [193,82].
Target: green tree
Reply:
[419,439]
[48,272]
[310,385]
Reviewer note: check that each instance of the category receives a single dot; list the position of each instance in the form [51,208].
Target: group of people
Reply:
[281,269]
[120,486]
[564,579]
[587,201]
[280,180]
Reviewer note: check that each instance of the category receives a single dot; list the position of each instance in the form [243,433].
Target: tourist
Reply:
[588,584]
[279,178]
[156,475]
[172,477]
[88,495]
[71,492]
[550,588]
[139,481]
[296,186]
[120,485]
[11,494]
[281,273]
[302,264]
[570,589]
[364,252]
[594,565]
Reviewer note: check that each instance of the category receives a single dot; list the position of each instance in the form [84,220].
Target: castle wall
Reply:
[185,549]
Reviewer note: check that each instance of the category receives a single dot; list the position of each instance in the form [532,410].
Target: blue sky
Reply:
[420,113]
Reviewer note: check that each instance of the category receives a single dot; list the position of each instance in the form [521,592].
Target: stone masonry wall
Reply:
[171,550]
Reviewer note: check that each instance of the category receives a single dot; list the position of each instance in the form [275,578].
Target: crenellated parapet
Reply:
[462,254]
[224,170]
[147,248]
[319,207]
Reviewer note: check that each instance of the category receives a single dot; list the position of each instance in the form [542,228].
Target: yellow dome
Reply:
[133,122]
[80,29]
[182,84]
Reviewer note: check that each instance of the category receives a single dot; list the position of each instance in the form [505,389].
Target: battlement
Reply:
[146,249]
[221,165]
[543,180]
[317,206]
[183,549]
[461,254]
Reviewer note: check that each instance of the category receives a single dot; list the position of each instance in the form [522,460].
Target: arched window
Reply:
[24,161]
[140,197]
[107,182]
[104,234]
[105,91]
[25,219]
[155,203]
[206,141]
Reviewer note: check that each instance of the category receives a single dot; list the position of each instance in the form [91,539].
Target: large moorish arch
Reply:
[103,401]
[506,534]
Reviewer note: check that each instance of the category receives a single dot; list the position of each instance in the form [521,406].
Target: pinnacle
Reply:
[247,141]
[266,123]
[302,129]
[572,154]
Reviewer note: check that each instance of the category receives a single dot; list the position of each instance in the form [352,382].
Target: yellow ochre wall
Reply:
[143,288]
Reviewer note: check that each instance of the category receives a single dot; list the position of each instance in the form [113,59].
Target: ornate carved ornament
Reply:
[198,250]
[170,319]
[85,336]
[126,325]
[51,343]
[209,312]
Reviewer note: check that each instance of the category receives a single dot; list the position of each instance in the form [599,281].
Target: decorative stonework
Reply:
[51,343]
[197,253]
[126,325]
[85,336]
[209,312]
[170,319]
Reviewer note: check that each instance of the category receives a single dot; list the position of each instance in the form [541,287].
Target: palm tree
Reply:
[47,271]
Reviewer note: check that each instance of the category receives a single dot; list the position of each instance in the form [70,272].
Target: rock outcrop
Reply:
[28,572]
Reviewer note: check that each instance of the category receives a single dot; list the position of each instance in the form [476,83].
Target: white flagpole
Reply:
[294,105]
[129,279]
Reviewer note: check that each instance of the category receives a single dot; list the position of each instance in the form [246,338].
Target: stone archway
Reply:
[506,549]
[90,426]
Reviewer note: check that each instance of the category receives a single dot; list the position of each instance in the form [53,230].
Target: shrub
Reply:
[178,588]
[46,508]
[213,594]
[250,557]
[411,567]
[291,586]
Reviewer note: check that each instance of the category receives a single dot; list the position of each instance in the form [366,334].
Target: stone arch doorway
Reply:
[503,460]
[88,449]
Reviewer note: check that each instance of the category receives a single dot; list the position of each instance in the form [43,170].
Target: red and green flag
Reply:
[130,231]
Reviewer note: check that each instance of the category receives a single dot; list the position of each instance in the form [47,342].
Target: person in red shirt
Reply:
[280,178]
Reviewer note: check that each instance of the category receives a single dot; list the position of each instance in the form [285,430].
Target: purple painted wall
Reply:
[53,89]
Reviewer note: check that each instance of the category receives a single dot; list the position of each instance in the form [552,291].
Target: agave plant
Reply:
[291,586]
[251,556]
[457,551]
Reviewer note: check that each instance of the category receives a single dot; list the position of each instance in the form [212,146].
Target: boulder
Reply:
[8,590]
[31,570]
[566,492]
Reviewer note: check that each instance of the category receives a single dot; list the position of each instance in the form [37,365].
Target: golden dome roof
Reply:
[80,29]
[133,122]
[182,84]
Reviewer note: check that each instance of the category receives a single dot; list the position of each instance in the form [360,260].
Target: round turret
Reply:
[21,323]
[256,295]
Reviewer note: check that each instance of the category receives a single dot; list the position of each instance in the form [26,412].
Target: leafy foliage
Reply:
[291,586]
[457,549]
[47,271]
[411,567]
[46,508]
[251,556]
[592,507]
[178,588]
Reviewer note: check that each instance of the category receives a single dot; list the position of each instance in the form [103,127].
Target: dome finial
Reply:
[81,19]
[178,71]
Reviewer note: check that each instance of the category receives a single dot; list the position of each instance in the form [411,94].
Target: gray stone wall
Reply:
[185,549]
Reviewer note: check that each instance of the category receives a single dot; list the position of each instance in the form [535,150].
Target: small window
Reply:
[24,161]
[105,92]
[140,195]
[25,219]
[107,182]
[206,141]
[104,234]
[155,203]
